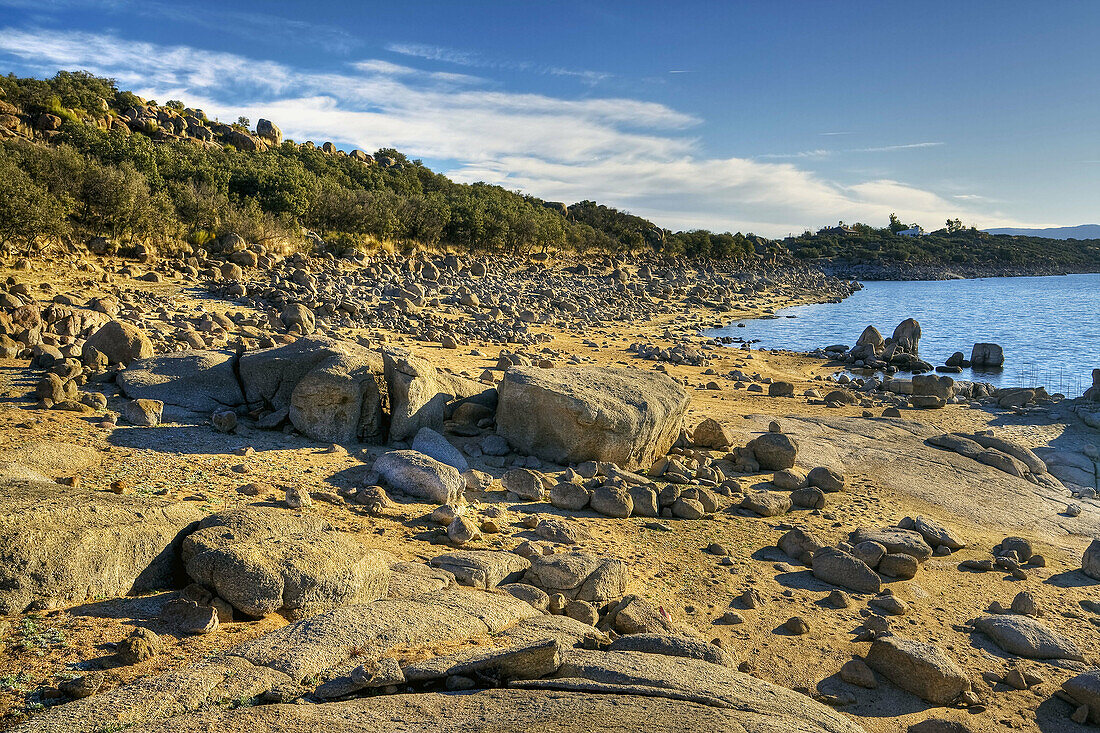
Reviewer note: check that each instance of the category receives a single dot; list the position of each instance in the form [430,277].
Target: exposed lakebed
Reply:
[1049,326]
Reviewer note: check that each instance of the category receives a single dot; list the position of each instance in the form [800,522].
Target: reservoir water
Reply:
[1049,326]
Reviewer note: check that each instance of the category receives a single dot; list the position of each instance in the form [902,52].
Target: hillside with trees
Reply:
[114,165]
[953,246]
[81,159]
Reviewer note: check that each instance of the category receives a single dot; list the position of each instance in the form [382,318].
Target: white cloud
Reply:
[892,148]
[629,153]
[459,57]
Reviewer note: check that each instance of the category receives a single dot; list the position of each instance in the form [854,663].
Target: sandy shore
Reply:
[891,474]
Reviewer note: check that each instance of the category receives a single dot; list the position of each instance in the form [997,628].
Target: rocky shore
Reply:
[901,271]
[246,491]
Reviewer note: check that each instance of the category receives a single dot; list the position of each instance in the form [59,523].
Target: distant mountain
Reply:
[1084,231]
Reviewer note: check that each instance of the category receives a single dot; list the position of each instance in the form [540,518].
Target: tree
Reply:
[954,225]
[896,225]
[244,122]
[27,211]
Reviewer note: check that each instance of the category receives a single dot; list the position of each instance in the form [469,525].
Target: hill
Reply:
[866,252]
[80,158]
[1082,231]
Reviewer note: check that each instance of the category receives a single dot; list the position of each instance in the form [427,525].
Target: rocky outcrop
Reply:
[575,414]
[330,390]
[269,131]
[196,382]
[264,560]
[61,545]
[421,396]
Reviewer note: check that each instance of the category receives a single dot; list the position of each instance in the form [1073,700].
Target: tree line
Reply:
[93,181]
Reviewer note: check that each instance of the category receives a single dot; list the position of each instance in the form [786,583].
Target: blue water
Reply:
[1049,326]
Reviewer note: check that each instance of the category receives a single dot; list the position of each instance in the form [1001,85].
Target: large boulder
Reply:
[774,451]
[483,569]
[871,337]
[121,342]
[987,355]
[263,560]
[894,539]
[922,669]
[420,476]
[269,131]
[432,444]
[298,319]
[1085,689]
[579,576]
[200,382]
[907,336]
[332,391]
[933,386]
[838,567]
[575,414]
[1092,394]
[421,396]
[1090,560]
[1027,637]
[62,546]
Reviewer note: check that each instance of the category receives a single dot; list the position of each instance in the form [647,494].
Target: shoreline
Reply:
[934,272]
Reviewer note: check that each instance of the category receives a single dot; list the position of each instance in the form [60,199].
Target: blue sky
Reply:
[770,117]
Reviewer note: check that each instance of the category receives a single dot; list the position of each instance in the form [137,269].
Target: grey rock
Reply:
[524,483]
[612,501]
[121,342]
[919,668]
[482,568]
[575,414]
[196,381]
[1027,637]
[1090,560]
[144,413]
[774,451]
[331,390]
[578,575]
[434,445]
[264,560]
[673,645]
[64,547]
[840,568]
[895,540]
[419,476]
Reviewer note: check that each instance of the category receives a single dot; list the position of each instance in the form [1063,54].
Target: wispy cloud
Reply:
[474,59]
[265,26]
[826,153]
[626,152]
[819,153]
[892,148]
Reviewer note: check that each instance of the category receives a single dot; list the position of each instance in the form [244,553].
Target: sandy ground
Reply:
[193,463]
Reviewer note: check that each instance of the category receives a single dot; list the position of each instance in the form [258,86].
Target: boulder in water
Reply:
[987,355]
[907,336]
